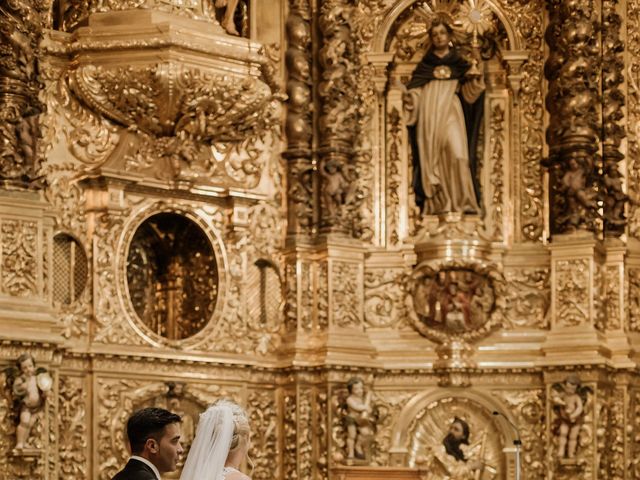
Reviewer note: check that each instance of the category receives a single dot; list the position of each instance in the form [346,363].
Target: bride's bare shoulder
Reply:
[236,476]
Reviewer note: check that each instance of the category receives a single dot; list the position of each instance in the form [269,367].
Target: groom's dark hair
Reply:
[148,423]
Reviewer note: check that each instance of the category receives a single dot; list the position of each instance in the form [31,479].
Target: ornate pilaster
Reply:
[21,26]
[26,299]
[577,333]
[572,70]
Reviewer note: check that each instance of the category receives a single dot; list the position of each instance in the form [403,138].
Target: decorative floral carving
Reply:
[322,434]
[19,261]
[634,440]
[528,17]
[633,110]
[528,297]
[290,436]
[612,115]
[263,414]
[611,290]
[496,160]
[345,300]
[572,292]
[73,438]
[394,177]
[111,325]
[612,442]
[305,433]
[138,97]
[383,298]
[634,300]
[73,13]
[528,411]
[388,405]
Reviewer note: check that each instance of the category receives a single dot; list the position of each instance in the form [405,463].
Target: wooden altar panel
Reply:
[373,473]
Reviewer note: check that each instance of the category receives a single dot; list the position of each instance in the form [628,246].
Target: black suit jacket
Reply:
[135,470]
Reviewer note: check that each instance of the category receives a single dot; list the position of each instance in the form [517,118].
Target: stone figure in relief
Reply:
[29,388]
[444,107]
[455,301]
[359,420]
[569,399]
[457,458]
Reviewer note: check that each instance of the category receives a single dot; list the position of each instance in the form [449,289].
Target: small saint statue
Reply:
[443,103]
[29,387]
[359,420]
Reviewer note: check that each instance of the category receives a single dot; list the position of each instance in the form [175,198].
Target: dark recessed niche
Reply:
[172,276]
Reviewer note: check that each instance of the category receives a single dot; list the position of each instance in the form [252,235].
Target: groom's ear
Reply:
[151,445]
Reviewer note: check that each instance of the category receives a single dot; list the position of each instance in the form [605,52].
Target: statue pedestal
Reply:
[372,473]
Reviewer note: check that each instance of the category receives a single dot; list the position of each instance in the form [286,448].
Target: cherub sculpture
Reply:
[569,401]
[29,386]
[359,420]
[337,189]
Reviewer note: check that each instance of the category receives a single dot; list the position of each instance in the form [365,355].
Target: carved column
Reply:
[21,24]
[337,122]
[572,70]
[299,128]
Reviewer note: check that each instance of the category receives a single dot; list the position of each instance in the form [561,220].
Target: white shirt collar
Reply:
[147,462]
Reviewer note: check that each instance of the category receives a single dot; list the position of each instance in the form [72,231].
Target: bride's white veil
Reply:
[210,447]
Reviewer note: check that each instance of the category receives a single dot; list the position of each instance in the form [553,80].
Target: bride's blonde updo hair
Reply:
[241,428]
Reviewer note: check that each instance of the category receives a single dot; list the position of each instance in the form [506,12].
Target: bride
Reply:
[220,445]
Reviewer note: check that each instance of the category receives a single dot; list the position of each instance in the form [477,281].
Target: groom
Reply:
[154,438]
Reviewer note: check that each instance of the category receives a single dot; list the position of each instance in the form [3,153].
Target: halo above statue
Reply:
[470,18]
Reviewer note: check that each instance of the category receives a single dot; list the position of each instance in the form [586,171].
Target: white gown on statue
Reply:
[442,145]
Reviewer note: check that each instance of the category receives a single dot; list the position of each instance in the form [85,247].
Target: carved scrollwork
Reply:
[72,13]
[572,292]
[528,297]
[208,106]
[633,298]
[346,303]
[615,199]
[528,411]
[290,432]
[19,269]
[74,437]
[383,298]
[263,414]
[633,111]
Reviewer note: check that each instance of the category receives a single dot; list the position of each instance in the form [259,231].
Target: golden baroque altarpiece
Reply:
[190,211]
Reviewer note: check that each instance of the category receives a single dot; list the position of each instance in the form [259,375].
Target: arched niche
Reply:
[500,130]
[424,421]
